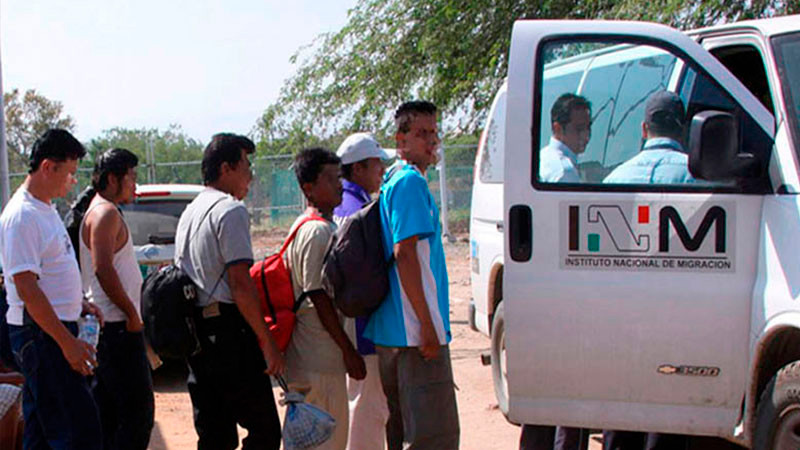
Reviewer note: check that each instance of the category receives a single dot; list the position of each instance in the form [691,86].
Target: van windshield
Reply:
[787,56]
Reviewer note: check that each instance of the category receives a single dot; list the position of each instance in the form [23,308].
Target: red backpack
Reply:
[274,283]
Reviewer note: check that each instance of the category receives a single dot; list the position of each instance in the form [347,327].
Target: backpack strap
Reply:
[190,237]
[294,231]
[304,296]
[266,292]
[206,214]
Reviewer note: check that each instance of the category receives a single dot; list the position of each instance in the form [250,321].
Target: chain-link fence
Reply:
[275,198]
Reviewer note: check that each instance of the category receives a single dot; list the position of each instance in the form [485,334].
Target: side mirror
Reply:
[714,149]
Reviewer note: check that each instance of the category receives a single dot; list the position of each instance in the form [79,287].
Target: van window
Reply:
[787,56]
[491,168]
[746,63]
[593,131]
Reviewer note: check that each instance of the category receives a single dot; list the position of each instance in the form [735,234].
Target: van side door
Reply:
[628,287]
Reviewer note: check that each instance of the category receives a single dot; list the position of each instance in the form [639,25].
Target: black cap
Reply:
[665,108]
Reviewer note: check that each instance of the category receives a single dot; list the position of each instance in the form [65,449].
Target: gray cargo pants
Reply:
[421,398]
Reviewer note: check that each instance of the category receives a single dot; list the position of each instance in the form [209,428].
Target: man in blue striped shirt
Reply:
[411,328]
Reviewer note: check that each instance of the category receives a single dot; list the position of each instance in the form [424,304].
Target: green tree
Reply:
[451,52]
[27,117]
[171,145]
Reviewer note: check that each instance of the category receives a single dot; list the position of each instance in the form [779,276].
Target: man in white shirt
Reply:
[45,302]
[571,121]
[112,280]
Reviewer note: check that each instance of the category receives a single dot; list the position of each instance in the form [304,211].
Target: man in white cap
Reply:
[362,169]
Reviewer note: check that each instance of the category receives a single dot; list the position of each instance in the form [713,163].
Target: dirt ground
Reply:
[482,424]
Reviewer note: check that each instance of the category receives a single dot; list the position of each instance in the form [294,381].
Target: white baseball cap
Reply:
[360,146]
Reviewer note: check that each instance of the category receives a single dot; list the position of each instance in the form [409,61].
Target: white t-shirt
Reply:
[33,239]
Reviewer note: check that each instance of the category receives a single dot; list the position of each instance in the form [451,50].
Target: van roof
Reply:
[767,27]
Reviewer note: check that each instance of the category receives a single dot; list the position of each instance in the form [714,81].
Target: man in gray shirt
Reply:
[229,378]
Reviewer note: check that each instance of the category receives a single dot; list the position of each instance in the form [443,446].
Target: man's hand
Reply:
[79,355]
[354,362]
[276,364]
[134,324]
[91,308]
[430,343]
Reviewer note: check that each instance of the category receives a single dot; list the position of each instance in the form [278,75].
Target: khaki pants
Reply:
[329,392]
[368,409]
[421,398]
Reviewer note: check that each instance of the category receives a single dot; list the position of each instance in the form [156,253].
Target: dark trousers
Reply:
[227,385]
[422,401]
[542,437]
[57,403]
[631,440]
[123,388]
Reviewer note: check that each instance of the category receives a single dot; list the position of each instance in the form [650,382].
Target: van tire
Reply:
[499,368]
[778,413]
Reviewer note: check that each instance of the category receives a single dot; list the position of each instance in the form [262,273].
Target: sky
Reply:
[207,65]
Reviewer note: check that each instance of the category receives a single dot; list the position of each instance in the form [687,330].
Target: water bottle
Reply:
[89,329]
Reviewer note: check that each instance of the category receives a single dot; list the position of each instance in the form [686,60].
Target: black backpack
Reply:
[168,301]
[355,273]
[74,217]
[168,298]
[6,355]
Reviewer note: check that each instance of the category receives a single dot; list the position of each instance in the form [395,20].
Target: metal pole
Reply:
[443,195]
[5,186]
[151,156]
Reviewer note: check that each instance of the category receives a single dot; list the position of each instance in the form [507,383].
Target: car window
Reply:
[615,148]
[787,56]
[491,168]
[153,222]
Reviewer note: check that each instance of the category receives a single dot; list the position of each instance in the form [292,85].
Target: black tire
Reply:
[778,413]
[499,368]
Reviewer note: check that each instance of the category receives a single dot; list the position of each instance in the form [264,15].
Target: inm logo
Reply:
[683,236]
[620,230]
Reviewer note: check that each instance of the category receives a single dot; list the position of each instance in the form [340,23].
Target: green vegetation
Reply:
[453,53]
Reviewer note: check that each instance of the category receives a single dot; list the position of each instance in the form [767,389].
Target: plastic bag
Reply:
[305,425]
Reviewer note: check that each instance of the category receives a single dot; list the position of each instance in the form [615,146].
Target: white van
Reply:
[667,307]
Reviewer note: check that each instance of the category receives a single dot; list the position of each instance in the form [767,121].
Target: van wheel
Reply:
[499,359]
[778,414]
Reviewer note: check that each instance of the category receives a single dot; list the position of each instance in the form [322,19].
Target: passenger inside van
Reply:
[570,118]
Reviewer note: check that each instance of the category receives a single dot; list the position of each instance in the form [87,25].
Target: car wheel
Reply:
[499,359]
[778,414]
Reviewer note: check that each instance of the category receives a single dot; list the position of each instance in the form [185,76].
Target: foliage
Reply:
[27,117]
[171,145]
[453,53]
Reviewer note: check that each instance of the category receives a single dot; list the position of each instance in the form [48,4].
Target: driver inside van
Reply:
[663,159]
[571,122]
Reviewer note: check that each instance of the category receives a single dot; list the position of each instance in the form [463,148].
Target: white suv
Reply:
[153,218]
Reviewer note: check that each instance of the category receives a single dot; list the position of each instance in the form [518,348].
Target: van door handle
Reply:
[499,226]
[520,233]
